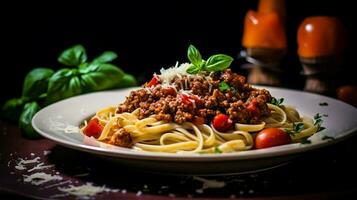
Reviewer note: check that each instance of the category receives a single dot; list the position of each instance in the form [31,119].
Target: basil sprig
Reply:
[214,63]
[43,86]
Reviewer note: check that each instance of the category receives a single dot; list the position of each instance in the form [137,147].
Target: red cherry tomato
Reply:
[185,99]
[93,128]
[169,91]
[270,137]
[154,81]
[222,123]
[253,107]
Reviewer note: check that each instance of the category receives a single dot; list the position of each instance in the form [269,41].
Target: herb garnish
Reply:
[297,128]
[214,63]
[223,86]
[305,141]
[326,137]
[217,150]
[277,102]
[323,104]
[318,122]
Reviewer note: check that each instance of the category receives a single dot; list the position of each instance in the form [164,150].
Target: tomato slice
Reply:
[93,128]
[154,81]
[271,137]
[222,123]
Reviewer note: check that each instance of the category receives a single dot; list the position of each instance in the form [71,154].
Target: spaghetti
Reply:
[178,112]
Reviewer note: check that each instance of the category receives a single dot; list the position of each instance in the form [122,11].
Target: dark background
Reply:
[147,35]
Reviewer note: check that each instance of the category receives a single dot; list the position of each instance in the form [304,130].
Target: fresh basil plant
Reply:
[43,86]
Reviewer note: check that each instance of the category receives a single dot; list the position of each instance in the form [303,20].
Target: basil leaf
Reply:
[105,57]
[30,109]
[218,62]
[194,55]
[73,56]
[193,69]
[277,102]
[127,81]
[223,86]
[36,82]
[101,77]
[63,84]
[12,108]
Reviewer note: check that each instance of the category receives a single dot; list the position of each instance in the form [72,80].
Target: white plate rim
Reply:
[130,154]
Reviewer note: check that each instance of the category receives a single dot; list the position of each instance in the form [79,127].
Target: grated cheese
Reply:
[167,75]
[21,164]
[40,166]
[40,178]
[85,191]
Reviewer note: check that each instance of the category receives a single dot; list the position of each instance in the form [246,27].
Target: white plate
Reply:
[59,122]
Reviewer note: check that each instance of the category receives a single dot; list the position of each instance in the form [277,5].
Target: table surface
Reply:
[328,173]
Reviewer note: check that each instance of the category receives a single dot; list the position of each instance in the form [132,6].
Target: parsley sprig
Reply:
[318,122]
[223,86]
[297,128]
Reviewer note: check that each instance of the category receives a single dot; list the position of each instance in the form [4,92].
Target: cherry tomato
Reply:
[348,94]
[154,81]
[185,99]
[222,123]
[270,137]
[169,91]
[93,128]
[253,107]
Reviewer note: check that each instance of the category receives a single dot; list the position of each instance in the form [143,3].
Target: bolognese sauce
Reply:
[200,98]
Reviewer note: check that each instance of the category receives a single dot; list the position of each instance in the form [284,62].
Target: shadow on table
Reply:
[326,172]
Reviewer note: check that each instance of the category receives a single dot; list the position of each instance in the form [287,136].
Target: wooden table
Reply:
[328,173]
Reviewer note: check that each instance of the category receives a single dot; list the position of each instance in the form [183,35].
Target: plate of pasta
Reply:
[198,118]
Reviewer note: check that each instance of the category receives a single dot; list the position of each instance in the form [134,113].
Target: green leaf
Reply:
[289,132]
[323,104]
[194,56]
[223,86]
[298,127]
[193,69]
[127,81]
[217,150]
[317,116]
[63,84]
[326,137]
[218,62]
[305,141]
[12,108]
[105,57]
[36,82]
[73,56]
[30,109]
[277,102]
[101,77]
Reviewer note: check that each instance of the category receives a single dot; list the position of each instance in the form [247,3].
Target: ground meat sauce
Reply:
[199,96]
